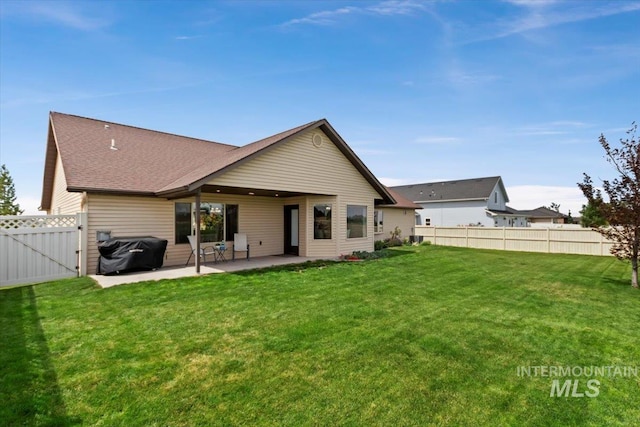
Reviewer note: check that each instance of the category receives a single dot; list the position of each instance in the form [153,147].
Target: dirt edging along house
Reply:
[302,191]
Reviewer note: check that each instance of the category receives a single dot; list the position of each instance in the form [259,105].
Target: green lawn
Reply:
[432,336]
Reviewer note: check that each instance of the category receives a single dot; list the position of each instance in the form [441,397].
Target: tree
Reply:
[591,213]
[622,211]
[554,207]
[8,205]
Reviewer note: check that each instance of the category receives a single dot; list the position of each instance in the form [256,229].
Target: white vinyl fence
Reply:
[40,248]
[580,241]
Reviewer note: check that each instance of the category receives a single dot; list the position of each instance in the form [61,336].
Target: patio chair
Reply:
[240,245]
[204,250]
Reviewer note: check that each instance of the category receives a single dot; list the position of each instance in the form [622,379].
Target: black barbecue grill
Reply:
[125,254]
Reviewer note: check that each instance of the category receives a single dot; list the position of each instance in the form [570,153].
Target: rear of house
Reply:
[302,192]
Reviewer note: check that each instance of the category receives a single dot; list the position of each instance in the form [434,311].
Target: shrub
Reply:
[379,245]
[393,242]
[383,253]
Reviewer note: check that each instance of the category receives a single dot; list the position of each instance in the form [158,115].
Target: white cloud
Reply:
[531,3]
[525,197]
[30,205]
[537,19]
[397,7]
[558,127]
[65,13]
[327,17]
[392,182]
[385,8]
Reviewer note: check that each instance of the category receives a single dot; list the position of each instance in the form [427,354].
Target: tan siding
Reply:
[322,247]
[62,201]
[349,245]
[261,218]
[402,218]
[132,216]
[297,165]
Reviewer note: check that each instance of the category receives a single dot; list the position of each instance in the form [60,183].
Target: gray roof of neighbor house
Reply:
[461,189]
[507,211]
[107,157]
[542,212]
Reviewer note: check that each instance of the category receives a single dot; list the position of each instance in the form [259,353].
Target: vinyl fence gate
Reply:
[41,248]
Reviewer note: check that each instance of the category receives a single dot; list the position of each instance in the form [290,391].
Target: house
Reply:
[474,202]
[544,216]
[302,191]
[401,214]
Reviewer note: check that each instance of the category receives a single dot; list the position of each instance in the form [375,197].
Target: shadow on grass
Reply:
[29,389]
[626,283]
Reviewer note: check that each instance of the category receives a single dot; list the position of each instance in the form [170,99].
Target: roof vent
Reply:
[113,145]
[106,126]
[317,140]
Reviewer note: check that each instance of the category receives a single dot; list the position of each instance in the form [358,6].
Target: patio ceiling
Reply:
[243,191]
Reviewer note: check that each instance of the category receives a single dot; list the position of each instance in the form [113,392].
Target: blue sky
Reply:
[421,90]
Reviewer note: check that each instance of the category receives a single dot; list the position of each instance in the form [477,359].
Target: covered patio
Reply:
[191,271]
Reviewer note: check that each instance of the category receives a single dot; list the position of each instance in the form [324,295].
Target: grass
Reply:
[433,336]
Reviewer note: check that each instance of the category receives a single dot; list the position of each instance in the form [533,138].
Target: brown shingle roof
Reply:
[143,161]
[100,156]
[401,201]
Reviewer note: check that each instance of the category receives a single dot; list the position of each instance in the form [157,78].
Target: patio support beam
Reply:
[198,231]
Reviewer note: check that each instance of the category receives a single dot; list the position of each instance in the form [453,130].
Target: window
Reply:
[217,221]
[427,221]
[377,221]
[211,222]
[356,221]
[231,214]
[322,222]
[183,222]
[495,197]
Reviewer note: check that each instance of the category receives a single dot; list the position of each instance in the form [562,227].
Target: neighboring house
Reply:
[544,215]
[474,202]
[402,214]
[301,192]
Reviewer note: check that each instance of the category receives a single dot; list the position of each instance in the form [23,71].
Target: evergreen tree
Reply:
[591,214]
[8,205]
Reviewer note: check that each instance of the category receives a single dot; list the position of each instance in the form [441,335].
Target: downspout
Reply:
[198,231]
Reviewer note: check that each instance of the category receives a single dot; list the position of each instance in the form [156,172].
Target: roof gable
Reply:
[457,190]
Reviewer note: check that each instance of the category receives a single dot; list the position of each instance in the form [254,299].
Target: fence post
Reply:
[504,238]
[548,240]
[83,229]
[466,237]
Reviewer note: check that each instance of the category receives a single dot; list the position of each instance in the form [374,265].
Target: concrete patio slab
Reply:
[190,271]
